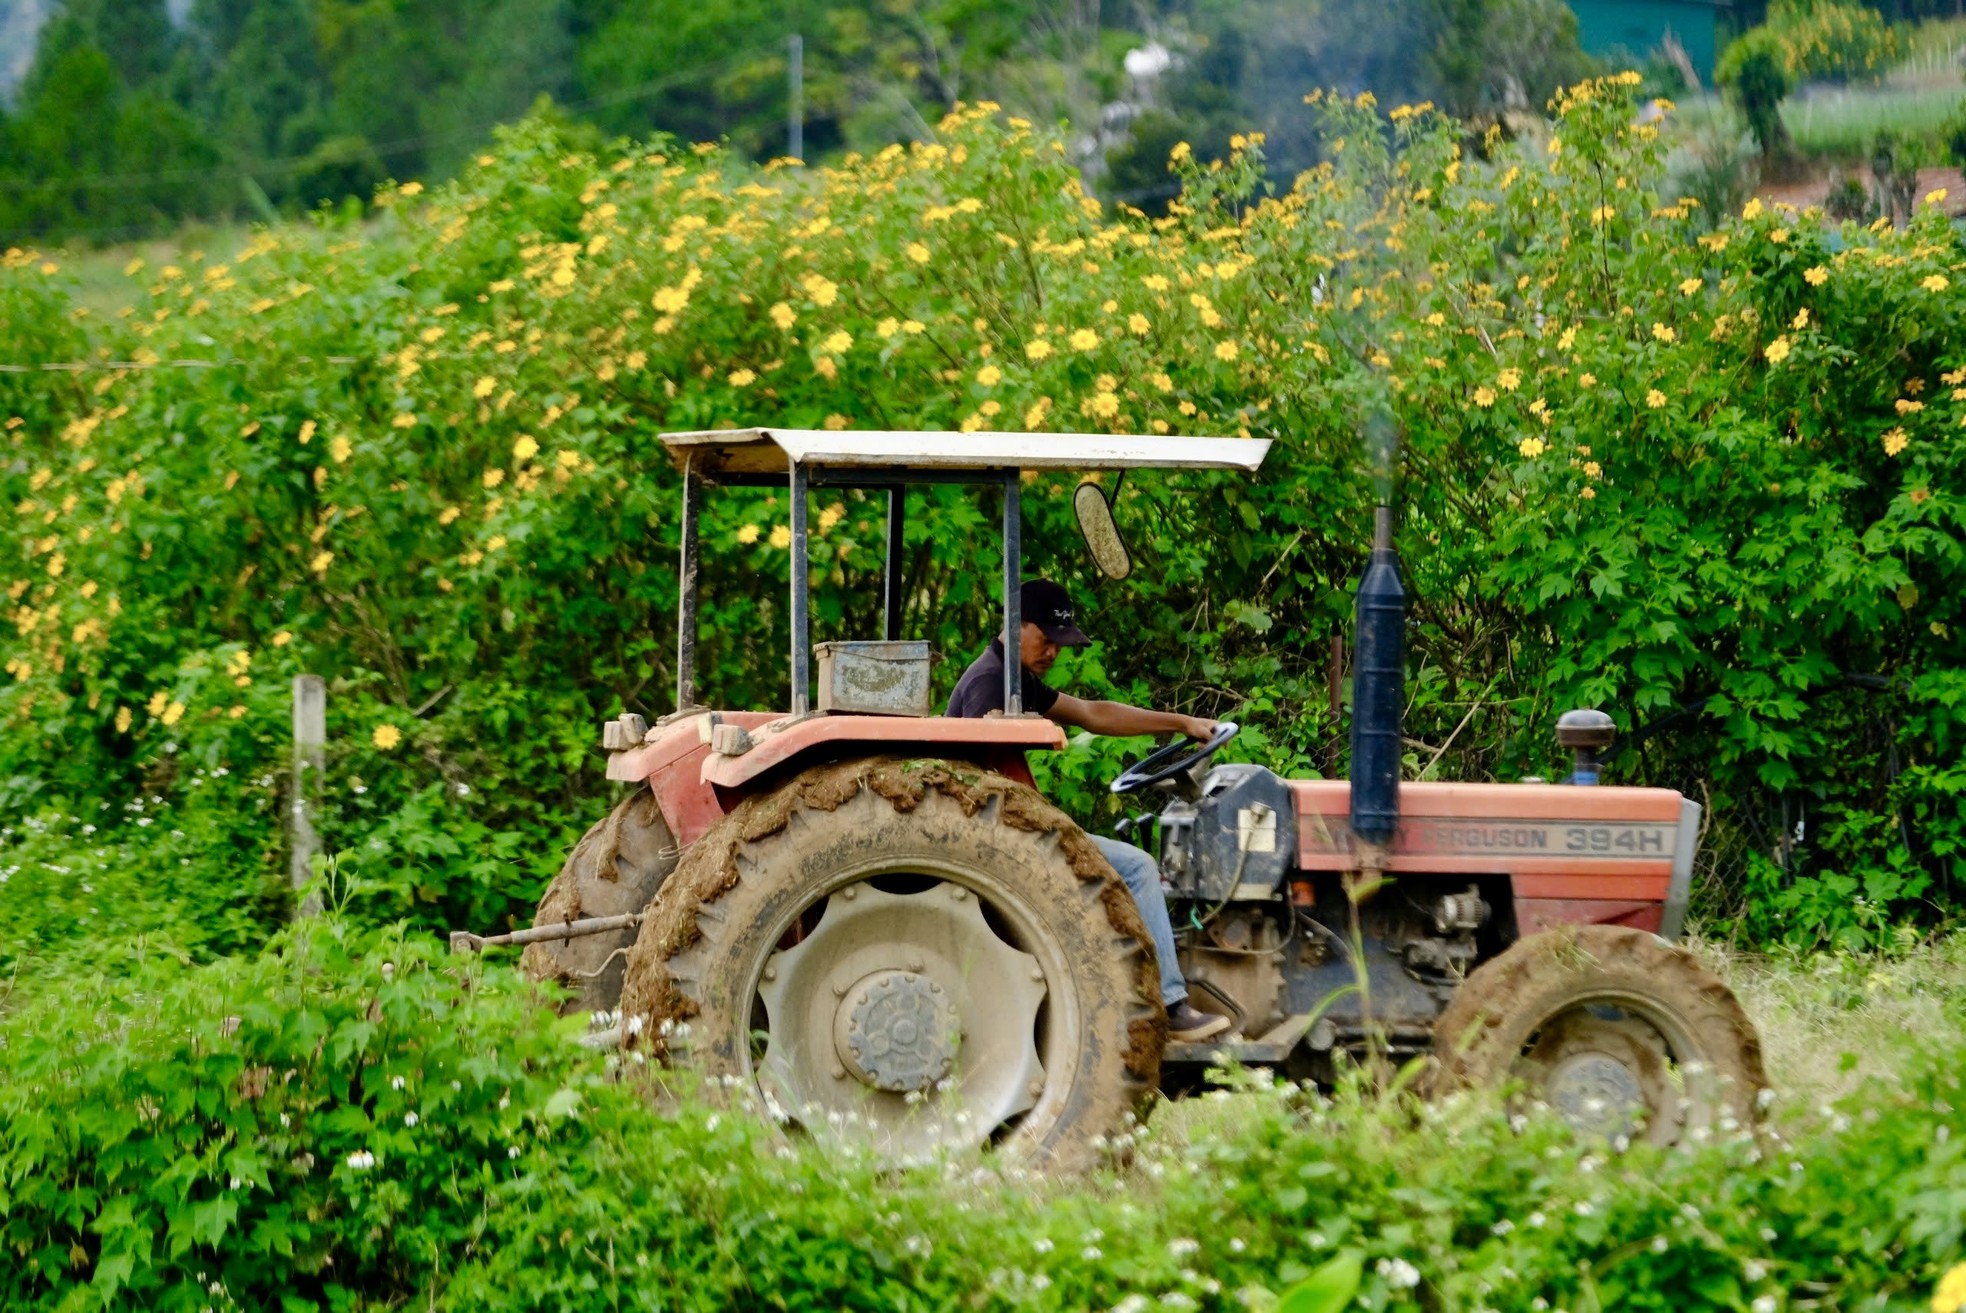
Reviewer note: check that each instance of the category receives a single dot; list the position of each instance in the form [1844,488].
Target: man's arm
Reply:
[1121,720]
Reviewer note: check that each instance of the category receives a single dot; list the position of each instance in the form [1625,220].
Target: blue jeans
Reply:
[1138,871]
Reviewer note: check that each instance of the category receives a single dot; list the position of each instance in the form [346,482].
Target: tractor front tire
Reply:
[618,866]
[1623,1034]
[912,955]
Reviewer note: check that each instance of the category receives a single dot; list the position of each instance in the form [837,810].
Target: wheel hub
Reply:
[1596,1093]
[897,1031]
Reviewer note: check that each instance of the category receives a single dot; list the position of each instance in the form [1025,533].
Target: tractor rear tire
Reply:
[911,955]
[1609,1026]
[618,866]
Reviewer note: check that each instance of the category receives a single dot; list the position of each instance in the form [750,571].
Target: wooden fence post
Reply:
[310,763]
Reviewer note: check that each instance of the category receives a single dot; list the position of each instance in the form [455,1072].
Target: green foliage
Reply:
[1754,71]
[265,107]
[1831,40]
[321,1126]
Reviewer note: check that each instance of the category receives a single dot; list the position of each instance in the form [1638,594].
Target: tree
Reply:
[1754,72]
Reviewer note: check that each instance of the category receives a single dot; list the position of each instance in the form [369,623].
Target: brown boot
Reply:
[1187,1024]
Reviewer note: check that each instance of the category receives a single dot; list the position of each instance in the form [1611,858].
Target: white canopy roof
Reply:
[770,451]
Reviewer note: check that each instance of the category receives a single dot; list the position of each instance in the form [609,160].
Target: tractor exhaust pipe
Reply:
[1378,696]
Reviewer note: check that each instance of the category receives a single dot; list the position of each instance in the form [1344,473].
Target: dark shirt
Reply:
[980,690]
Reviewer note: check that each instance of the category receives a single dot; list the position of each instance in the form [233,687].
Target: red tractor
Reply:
[868,917]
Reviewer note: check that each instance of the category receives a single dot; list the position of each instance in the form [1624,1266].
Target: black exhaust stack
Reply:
[1378,689]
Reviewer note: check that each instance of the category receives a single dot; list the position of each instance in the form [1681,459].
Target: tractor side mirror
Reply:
[1102,533]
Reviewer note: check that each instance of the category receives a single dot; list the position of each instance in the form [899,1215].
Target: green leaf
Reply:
[1328,1289]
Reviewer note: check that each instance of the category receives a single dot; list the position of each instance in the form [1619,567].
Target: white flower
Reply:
[1534,1220]
[409,1119]
[396,1082]
[1765,1304]
[1040,1282]
[1236,1245]
[512,1152]
[1042,1244]
[1503,1227]
[635,1024]
[463,790]
[1399,1274]
[361,1160]
[1091,1254]
[1183,1246]
[1584,1208]
[1659,1244]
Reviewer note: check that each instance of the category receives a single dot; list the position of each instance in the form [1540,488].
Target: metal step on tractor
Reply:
[866,915]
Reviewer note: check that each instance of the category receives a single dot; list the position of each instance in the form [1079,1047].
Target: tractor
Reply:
[866,917]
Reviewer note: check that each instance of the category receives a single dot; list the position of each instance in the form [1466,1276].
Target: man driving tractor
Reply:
[1048,626]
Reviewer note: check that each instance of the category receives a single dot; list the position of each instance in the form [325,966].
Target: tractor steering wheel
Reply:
[1161,764]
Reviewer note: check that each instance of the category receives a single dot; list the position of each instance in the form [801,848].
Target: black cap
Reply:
[1049,607]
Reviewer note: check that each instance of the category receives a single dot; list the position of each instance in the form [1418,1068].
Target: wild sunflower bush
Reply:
[1701,470]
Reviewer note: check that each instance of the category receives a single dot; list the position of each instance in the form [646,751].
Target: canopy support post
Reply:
[891,582]
[686,582]
[801,603]
[1013,620]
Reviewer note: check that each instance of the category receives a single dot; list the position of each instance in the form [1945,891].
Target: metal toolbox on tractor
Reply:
[874,678]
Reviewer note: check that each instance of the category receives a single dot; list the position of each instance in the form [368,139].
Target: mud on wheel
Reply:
[915,954]
[1621,1032]
[617,867]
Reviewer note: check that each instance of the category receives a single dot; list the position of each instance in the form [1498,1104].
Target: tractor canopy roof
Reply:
[890,456]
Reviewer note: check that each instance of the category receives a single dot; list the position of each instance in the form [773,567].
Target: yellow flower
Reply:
[831,516]
[322,560]
[386,737]
[1752,210]
[1101,405]
[492,477]
[1801,319]
[1587,493]
[1908,407]
[1138,324]
[823,291]
[123,720]
[341,449]
[1509,380]
[1895,441]
[1484,397]
[484,387]
[1084,340]
[1592,468]
[173,713]
[1935,197]
[306,432]
[989,376]
[747,534]
[1037,348]
[742,378]
[281,639]
[1690,286]
[1816,275]
[888,327]
[913,326]
[1950,1297]
[236,712]
[1935,283]
[917,252]
[1161,382]
[1778,235]
[1586,380]
[783,315]
[838,342]
[410,189]
[406,420]
[1532,447]
[449,514]
[157,703]
[525,447]
[1663,332]
[1226,350]
[1655,398]
[781,537]
[1154,282]
[1778,351]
